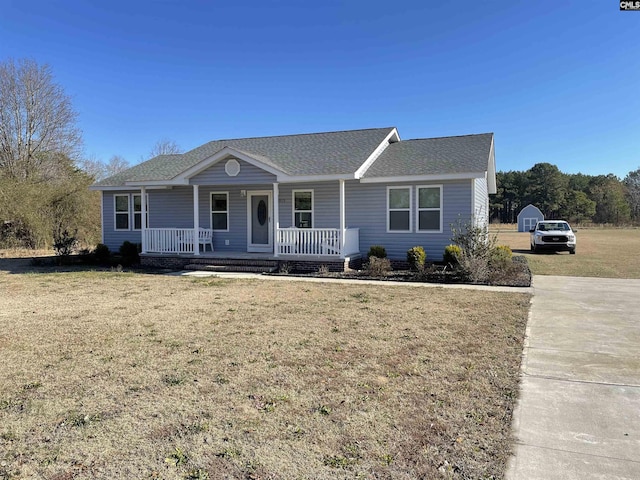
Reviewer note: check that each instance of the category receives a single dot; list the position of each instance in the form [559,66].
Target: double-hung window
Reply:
[430,208]
[121,209]
[220,211]
[128,211]
[137,212]
[398,209]
[303,208]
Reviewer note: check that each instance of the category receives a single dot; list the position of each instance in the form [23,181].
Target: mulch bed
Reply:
[517,275]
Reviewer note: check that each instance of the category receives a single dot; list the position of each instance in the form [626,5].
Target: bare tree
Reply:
[37,122]
[164,147]
[93,166]
[116,164]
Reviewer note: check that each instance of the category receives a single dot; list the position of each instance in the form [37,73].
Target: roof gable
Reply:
[434,156]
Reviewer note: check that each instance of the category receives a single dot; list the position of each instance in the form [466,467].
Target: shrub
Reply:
[378,267]
[416,258]
[102,253]
[377,251]
[64,243]
[451,255]
[129,252]
[500,257]
[476,245]
[323,270]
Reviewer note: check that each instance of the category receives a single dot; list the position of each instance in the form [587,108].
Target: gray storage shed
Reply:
[528,217]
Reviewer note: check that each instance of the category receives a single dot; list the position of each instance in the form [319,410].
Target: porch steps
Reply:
[233,265]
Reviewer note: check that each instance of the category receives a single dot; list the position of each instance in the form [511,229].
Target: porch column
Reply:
[343,220]
[276,219]
[143,218]
[196,221]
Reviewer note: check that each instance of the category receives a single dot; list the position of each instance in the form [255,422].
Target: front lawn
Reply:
[600,252]
[120,375]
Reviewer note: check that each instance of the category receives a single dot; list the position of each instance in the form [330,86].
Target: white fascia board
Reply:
[156,183]
[424,178]
[313,178]
[128,186]
[216,157]
[377,152]
[491,171]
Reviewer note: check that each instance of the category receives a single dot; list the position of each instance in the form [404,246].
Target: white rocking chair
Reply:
[205,237]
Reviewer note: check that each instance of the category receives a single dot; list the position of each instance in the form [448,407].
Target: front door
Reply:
[259,231]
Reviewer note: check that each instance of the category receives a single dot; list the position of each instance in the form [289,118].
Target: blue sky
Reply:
[556,81]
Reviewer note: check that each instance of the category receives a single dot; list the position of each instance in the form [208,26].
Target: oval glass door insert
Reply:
[262,212]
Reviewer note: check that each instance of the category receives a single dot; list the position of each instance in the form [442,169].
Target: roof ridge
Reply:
[300,134]
[448,136]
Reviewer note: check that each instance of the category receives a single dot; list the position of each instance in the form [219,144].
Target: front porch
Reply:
[250,262]
[326,243]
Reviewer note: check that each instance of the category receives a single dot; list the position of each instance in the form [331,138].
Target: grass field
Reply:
[601,252]
[119,375]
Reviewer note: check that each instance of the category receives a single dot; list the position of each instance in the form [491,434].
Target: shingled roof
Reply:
[330,153]
[434,156]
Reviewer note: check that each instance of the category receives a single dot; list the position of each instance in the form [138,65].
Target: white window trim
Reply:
[116,213]
[133,211]
[418,209]
[211,212]
[410,209]
[293,206]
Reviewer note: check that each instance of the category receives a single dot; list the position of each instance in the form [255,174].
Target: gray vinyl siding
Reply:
[326,203]
[249,174]
[481,201]
[171,208]
[237,234]
[174,208]
[114,238]
[367,210]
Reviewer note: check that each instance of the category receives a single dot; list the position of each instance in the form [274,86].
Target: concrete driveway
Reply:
[578,416]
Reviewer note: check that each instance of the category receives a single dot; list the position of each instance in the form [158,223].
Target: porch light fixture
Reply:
[232,167]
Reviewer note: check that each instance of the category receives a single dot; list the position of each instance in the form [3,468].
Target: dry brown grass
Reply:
[120,375]
[600,252]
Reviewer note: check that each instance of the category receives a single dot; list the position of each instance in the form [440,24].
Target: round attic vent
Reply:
[232,167]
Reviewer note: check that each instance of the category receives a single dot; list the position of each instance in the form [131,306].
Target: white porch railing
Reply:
[290,241]
[169,240]
[316,241]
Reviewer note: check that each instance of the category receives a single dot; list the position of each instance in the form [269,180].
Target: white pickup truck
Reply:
[555,235]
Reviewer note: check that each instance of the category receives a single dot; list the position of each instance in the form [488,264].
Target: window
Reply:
[220,211]
[121,208]
[430,209]
[303,208]
[137,212]
[399,209]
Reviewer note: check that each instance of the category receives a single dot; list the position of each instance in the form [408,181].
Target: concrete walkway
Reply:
[293,278]
[578,416]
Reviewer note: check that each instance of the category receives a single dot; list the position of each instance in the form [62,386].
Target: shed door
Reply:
[529,223]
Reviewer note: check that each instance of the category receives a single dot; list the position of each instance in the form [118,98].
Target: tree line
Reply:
[44,176]
[576,197]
